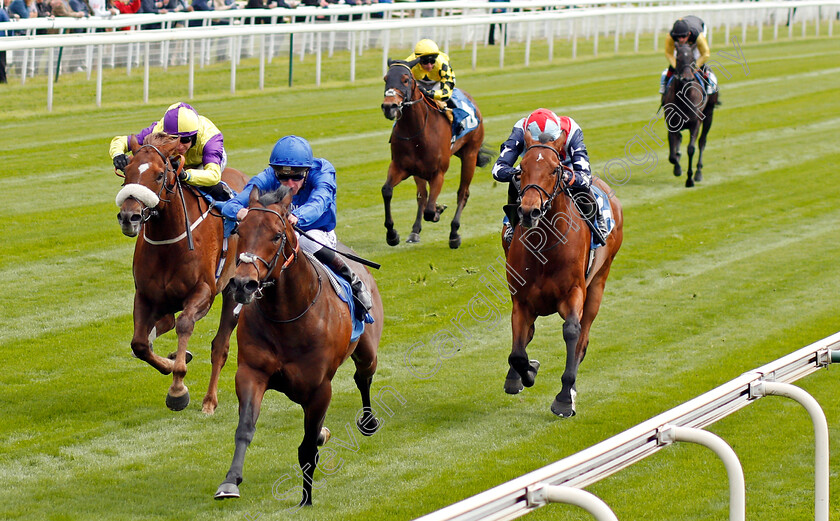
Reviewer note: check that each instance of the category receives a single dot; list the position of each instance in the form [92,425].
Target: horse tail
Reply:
[484,156]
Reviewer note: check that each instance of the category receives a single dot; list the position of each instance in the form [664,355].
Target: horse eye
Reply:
[160,176]
[277,237]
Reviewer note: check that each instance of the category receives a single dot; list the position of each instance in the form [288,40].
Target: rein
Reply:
[558,182]
[252,258]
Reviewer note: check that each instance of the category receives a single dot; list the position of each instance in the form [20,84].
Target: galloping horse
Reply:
[421,147]
[686,105]
[175,268]
[294,332]
[550,276]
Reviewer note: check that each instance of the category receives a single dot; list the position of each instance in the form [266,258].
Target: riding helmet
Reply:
[425,47]
[180,120]
[291,151]
[543,121]
[680,29]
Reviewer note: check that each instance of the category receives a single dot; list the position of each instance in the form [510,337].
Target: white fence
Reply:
[562,481]
[464,22]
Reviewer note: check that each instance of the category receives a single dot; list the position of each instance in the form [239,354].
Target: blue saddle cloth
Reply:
[464,119]
[605,208]
[346,294]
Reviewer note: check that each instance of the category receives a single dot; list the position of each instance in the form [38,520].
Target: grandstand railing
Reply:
[564,480]
[468,20]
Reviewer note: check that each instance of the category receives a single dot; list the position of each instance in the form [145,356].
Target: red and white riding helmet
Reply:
[543,121]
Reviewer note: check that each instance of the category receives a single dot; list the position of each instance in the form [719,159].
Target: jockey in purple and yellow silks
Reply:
[201,144]
[573,155]
[433,73]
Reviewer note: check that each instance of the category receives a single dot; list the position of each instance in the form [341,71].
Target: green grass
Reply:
[710,283]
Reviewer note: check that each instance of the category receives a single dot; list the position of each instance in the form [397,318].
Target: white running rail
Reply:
[682,423]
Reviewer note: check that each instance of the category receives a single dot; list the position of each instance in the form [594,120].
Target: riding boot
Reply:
[219,192]
[511,211]
[363,298]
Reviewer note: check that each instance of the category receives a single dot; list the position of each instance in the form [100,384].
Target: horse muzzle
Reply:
[529,218]
[130,219]
[244,289]
[391,110]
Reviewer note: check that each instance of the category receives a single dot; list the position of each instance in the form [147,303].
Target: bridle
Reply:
[559,185]
[269,280]
[405,91]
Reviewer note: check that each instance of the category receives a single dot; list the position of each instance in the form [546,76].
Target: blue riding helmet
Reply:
[292,151]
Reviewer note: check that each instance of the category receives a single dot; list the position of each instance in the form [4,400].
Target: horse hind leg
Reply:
[701,143]
[220,349]
[468,162]
[675,139]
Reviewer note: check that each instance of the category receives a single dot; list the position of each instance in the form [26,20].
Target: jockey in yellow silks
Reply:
[433,73]
[690,30]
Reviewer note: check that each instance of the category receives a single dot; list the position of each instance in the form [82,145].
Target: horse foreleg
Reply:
[433,210]
[250,389]
[468,162]
[220,349]
[195,307]
[314,434]
[422,198]
[674,140]
[141,342]
[522,371]
[395,176]
[571,311]
[692,137]
[365,359]
[701,143]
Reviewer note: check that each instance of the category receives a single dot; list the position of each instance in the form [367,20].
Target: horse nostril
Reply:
[251,286]
[520,212]
[535,214]
[135,218]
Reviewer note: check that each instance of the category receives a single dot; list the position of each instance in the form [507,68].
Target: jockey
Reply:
[690,30]
[201,145]
[313,209]
[573,154]
[433,73]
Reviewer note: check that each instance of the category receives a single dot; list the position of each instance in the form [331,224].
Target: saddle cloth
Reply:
[345,293]
[463,115]
[606,210]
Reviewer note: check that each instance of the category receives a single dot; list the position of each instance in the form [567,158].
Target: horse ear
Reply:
[255,197]
[412,63]
[529,139]
[133,144]
[391,62]
[561,139]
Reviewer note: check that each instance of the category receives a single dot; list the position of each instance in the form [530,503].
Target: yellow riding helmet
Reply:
[425,47]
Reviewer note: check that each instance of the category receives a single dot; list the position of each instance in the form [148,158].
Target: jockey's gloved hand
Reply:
[425,90]
[120,162]
[182,175]
[515,171]
[568,178]
[175,162]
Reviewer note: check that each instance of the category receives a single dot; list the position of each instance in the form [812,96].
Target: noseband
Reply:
[558,182]
[252,258]
[147,213]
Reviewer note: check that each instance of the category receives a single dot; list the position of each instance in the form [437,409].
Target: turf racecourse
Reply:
[711,282]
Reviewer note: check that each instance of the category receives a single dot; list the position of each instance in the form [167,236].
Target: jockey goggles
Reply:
[429,59]
[187,139]
[287,173]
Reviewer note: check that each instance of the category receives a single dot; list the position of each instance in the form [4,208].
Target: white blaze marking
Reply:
[540,157]
[143,167]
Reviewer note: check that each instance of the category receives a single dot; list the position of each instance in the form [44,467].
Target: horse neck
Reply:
[295,288]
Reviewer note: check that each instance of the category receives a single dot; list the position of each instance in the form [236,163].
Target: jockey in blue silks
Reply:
[313,209]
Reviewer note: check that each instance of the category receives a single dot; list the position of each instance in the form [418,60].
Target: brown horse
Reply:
[548,274]
[421,147]
[175,268]
[294,331]
[686,105]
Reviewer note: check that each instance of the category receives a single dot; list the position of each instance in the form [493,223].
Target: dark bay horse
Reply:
[421,147]
[687,106]
[169,276]
[293,334]
[547,264]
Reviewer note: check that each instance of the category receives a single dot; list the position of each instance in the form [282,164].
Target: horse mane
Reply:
[274,196]
[160,139]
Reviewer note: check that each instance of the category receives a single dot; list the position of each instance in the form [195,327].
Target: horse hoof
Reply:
[392,237]
[178,403]
[324,437]
[689,183]
[527,371]
[413,238]
[171,356]
[454,243]
[563,409]
[698,177]
[227,490]
[513,385]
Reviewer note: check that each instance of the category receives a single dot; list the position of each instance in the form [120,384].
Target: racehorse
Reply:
[293,333]
[175,262]
[686,105]
[547,267]
[421,147]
